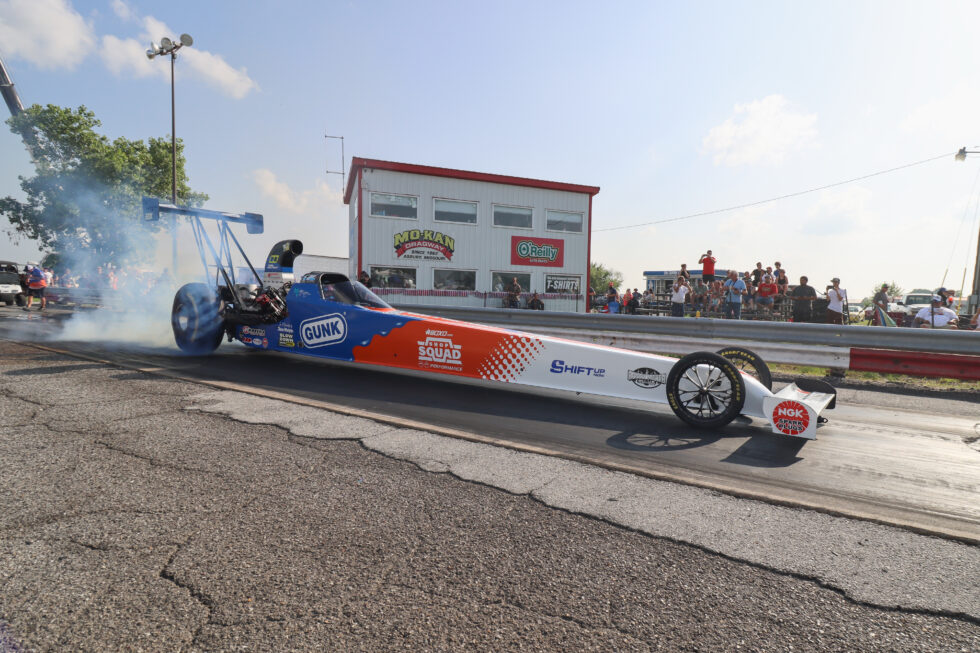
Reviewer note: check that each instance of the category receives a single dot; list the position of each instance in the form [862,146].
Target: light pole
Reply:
[974,300]
[170,47]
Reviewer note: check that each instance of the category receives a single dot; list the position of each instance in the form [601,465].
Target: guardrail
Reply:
[923,352]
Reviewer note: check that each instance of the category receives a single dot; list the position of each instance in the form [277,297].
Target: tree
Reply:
[84,202]
[600,276]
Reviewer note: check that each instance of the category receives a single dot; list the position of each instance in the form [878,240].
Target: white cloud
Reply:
[948,119]
[763,131]
[47,33]
[122,9]
[843,212]
[312,200]
[214,70]
[128,56]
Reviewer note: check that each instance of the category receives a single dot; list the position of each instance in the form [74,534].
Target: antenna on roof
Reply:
[343,176]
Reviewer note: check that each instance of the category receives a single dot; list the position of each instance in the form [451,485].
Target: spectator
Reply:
[734,289]
[758,273]
[612,298]
[627,299]
[37,281]
[767,290]
[680,290]
[836,296]
[699,294]
[975,320]
[936,315]
[535,303]
[881,301]
[779,269]
[707,262]
[782,281]
[514,294]
[717,293]
[684,273]
[803,297]
[634,301]
[364,278]
[750,290]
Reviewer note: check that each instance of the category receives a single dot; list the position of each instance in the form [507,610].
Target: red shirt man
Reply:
[707,262]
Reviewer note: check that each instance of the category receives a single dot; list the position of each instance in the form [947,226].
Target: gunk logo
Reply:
[323,330]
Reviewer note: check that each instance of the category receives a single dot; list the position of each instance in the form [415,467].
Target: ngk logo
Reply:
[790,417]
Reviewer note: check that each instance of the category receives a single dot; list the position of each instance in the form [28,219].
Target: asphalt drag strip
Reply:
[142,512]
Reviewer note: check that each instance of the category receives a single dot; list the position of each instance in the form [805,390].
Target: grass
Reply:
[876,378]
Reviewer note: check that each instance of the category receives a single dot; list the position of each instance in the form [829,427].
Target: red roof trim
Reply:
[357,164]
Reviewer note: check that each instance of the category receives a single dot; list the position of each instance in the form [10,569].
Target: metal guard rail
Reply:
[823,335]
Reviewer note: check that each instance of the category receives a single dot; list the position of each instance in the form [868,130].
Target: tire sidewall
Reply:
[762,372]
[202,335]
[727,368]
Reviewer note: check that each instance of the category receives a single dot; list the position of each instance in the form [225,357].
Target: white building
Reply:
[430,235]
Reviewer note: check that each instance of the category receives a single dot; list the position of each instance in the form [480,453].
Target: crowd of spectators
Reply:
[765,291]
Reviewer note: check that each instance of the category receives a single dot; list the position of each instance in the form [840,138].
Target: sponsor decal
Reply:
[561,367]
[525,250]
[438,351]
[554,283]
[265,343]
[323,330]
[286,340]
[790,417]
[431,245]
[253,331]
[646,377]
[246,340]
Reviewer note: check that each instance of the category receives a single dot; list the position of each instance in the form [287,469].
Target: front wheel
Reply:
[196,319]
[750,363]
[705,390]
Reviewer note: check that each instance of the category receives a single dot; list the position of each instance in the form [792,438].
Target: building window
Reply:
[455,211]
[500,281]
[511,216]
[454,279]
[562,284]
[565,221]
[384,205]
[389,277]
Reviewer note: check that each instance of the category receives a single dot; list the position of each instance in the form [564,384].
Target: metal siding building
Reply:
[460,233]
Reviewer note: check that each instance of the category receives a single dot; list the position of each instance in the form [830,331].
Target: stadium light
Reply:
[974,300]
[170,47]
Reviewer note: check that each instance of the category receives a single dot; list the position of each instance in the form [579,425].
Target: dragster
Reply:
[331,316]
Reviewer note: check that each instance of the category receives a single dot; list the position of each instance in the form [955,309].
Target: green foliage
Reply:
[600,276]
[895,291]
[84,200]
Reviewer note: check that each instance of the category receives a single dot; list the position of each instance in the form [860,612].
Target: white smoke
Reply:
[135,314]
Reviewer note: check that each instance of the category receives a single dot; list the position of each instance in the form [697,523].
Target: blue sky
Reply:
[672,108]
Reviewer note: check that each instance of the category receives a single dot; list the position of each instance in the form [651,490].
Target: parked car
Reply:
[916,300]
[10,289]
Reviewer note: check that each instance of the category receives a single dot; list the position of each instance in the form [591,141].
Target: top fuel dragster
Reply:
[331,316]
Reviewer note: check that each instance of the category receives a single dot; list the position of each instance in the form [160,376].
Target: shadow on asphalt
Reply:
[55,370]
[767,451]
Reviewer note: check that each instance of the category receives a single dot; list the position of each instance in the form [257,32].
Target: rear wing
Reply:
[222,256]
[152,208]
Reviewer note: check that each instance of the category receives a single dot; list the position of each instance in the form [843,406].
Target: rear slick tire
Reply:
[705,390]
[749,362]
[196,319]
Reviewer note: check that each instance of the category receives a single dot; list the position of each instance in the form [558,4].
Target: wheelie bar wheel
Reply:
[705,390]
[749,362]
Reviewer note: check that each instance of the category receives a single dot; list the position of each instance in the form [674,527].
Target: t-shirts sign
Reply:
[528,250]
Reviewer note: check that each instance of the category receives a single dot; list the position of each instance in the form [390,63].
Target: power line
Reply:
[781,197]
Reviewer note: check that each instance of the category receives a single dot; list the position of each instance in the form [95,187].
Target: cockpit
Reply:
[338,288]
